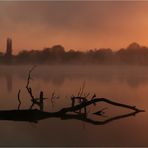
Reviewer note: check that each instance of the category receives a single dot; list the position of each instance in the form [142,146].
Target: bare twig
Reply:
[29,89]
[39,101]
[79,92]
[52,98]
[86,95]
[82,90]
[18,96]
[93,98]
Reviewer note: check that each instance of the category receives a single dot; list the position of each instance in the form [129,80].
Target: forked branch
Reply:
[83,103]
[95,100]
[29,89]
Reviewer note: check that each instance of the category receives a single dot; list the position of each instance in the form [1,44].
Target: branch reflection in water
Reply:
[72,112]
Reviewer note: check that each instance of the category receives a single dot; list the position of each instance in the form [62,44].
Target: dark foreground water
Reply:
[125,84]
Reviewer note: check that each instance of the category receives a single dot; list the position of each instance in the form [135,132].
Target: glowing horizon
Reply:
[75,25]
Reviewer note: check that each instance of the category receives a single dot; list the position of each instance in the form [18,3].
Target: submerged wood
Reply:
[95,100]
[34,115]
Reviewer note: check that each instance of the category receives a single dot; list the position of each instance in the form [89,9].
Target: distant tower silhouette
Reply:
[9,47]
[8,54]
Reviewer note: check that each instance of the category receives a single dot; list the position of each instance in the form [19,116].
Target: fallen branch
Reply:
[95,122]
[35,115]
[95,100]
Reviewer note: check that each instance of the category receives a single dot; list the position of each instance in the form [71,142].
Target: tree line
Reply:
[133,54]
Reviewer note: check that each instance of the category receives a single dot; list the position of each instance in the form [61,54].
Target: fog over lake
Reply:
[125,84]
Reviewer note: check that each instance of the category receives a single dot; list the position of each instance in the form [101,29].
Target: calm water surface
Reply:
[125,84]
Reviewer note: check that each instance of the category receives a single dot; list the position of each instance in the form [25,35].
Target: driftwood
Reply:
[95,100]
[37,115]
[72,112]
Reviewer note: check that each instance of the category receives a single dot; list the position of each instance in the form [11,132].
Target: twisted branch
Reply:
[95,100]
[29,89]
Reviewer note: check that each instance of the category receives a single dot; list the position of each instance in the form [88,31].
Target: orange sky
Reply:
[75,25]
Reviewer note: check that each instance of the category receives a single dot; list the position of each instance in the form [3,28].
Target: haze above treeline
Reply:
[134,54]
[78,25]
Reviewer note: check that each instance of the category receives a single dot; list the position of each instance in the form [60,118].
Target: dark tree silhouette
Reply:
[134,54]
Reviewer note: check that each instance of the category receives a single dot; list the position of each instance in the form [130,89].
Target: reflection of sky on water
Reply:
[9,82]
[133,76]
[122,84]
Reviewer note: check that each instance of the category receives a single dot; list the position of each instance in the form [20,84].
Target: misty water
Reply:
[125,84]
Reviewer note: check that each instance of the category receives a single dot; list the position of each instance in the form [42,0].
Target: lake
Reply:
[124,84]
